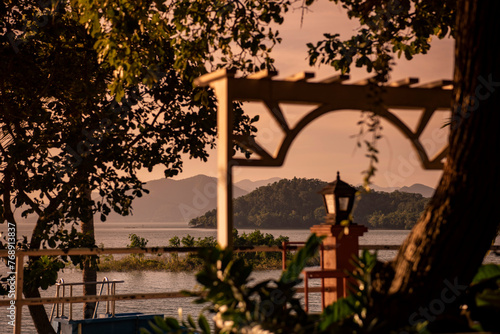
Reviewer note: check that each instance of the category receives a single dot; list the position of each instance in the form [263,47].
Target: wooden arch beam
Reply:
[325,97]
[291,135]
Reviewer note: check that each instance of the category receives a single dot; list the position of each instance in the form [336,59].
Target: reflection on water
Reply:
[146,282]
[158,234]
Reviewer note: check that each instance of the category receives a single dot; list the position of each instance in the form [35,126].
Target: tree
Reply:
[450,240]
[283,204]
[396,210]
[69,130]
[296,204]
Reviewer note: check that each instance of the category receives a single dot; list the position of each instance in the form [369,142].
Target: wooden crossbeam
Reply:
[436,84]
[277,113]
[301,76]
[364,82]
[339,78]
[264,74]
[249,143]
[406,82]
[424,119]
[205,79]
[439,156]
[324,98]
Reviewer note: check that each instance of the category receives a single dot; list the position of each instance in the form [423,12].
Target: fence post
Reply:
[283,255]
[19,291]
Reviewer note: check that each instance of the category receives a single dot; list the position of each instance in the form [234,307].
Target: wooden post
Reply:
[339,249]
[219,82]
[283,255]
[19,292]
[224,165]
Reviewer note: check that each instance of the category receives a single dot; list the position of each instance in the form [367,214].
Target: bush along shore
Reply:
[191,261]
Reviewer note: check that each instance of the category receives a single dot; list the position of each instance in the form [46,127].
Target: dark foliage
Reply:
[296,204]
[396,210]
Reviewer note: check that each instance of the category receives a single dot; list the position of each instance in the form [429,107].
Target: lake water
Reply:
[158,234]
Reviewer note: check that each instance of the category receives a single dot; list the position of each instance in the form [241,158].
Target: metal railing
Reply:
[58,308]
[111,290]
[20,301]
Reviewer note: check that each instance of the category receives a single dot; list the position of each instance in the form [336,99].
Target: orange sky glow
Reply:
[328,145]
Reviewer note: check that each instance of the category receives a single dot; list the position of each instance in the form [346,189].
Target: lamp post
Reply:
[338,197]
[339,244]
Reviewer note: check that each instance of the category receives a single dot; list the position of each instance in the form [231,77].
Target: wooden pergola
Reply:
[325,96]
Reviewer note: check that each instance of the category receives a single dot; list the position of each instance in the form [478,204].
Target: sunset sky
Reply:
[327,145]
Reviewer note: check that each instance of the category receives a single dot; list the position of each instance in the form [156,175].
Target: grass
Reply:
[190,262]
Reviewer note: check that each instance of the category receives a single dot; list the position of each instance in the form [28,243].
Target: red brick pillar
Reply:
[339,249]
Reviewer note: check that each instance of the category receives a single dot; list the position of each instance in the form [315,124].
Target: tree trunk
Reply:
[89,264]
[89,275]
[37,312]
[445,248]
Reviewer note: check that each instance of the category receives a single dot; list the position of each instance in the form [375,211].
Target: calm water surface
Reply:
[158,234]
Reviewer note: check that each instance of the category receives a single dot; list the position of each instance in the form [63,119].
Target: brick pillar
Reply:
[339,251]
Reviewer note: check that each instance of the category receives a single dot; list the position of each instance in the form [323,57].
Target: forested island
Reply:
[296,204]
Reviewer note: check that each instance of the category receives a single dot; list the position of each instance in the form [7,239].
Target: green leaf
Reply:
[299,262]
[191,322]
[486,271]
[203,323]
[172,323]
[489,297]
[337,312]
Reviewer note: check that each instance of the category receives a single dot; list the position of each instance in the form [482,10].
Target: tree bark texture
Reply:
[89,271]
[446,247]
[37,312]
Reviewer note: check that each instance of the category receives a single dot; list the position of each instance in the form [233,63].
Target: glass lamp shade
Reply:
[338,198]
[330,203]
[343,203]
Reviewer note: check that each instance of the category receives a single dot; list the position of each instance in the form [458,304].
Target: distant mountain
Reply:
[296,204]
[249,185]
[175,200]
[284,204]
[418,188]
[384,189]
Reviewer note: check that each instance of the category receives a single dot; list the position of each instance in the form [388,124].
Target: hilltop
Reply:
[175,200]
[249,185]
[296,204]
[416,188]
[189,199]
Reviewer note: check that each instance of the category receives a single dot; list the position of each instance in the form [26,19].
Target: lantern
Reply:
[338,197]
